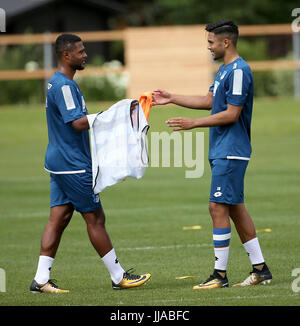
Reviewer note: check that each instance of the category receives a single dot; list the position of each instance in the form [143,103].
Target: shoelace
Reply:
[51,282]
[212,277]
[250,279]
[130,276]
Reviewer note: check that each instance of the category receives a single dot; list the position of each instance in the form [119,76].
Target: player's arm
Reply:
[162,97]
[230,115]
[70,108]
[81,124]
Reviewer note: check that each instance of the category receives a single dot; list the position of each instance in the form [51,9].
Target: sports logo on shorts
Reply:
[96,199]
[218,193]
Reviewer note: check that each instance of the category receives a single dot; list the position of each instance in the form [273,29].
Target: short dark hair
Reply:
[65,42]
[226,27]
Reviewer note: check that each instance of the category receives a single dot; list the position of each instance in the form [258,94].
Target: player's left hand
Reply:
[181,123]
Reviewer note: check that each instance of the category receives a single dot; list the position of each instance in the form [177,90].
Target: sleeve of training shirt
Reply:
[239,84]
[68,103]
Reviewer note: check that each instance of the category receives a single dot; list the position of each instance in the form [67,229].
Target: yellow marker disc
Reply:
[264,230]
[194,227]
[184,277]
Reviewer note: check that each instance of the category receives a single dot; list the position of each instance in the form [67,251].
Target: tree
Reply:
[183,12]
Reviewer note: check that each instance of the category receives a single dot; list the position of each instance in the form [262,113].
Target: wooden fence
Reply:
[173,57]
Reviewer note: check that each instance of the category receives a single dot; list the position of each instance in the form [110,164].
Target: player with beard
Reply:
[68,160]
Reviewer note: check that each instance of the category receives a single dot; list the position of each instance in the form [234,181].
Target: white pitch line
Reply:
[24,215]
[197,245]
[107,210]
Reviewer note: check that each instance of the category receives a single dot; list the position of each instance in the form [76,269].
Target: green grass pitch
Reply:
[145,219]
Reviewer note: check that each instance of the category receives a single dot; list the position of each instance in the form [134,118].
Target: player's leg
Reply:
[243,222]
[59,219]
[221,235]
[79,190]
[219,213]
[61,212]
[246,230]
[100,239]
[95,222]
[221,196]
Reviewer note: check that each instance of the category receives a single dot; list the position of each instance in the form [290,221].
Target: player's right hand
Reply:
[160,97]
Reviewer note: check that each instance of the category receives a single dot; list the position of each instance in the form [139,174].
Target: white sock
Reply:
[42,275]
[252,247]
[112,264]
[221,258]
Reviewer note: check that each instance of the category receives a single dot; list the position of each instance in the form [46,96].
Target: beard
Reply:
[77,67]
[217,57]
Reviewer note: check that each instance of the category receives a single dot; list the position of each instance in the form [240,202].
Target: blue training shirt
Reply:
[68,150]
[233,85]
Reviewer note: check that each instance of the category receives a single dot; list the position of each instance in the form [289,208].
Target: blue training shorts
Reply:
[227,184]
[75,189]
